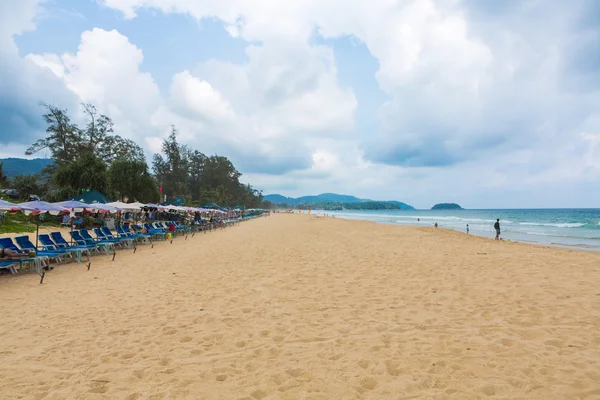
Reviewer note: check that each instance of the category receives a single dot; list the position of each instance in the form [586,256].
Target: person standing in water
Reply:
[467,229]
[497,228]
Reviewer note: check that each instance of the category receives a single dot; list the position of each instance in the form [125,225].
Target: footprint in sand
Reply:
[368,383]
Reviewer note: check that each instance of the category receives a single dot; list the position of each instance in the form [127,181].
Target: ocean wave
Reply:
[561,236]
[434,218]
[559,225]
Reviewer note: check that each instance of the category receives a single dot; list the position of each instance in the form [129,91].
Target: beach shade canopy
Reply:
[150,205]
[8,206]
[42,207]
[212,206]
[103,207]
[137,205]
[124,206]
[74,205]
[91,197]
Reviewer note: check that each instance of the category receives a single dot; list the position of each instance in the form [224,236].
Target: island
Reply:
[447,206]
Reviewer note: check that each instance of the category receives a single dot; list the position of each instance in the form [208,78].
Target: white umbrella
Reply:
[8,206]
[124,206]
[41,207]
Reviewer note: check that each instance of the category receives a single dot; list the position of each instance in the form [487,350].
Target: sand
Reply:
[301,307]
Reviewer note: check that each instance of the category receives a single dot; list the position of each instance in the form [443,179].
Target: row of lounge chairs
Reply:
[55,247]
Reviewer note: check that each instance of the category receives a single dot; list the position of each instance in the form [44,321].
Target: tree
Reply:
[130,178]
[3,177]
[26,185]
[97,138]
[85,172]
[172,170]
[201,179]
[64,137]
[196,174]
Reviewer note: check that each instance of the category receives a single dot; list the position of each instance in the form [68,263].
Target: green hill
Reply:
[332,198]
[21,166]
[447,206]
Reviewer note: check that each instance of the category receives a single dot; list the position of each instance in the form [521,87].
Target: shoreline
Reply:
[319,308]
[514,237]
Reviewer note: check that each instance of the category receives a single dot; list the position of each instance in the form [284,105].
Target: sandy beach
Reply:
[301,307]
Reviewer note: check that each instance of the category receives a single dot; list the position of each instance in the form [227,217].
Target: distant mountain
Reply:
[327,198]
[21,166]
[447,206]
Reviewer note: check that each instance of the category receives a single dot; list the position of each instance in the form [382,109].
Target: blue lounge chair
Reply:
[9,265]
[103,236]
[146,237]
[7,243]
[48,244]
[86,235]
[82,242]
[158,233]
[25,244]
[61,242]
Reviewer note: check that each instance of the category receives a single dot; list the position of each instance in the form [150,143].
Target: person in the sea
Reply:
[436,225]
[467,229]
[497,228]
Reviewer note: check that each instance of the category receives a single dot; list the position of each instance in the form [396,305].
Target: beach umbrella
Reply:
[74,205]
[8,206]
[125,206]
[41,207]
[104,207]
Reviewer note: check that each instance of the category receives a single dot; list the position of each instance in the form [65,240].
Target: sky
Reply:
[486,104]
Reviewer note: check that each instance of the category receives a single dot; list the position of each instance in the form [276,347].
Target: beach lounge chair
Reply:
[76,235]
[108,234]
[100,234]
[36,262]
[157,233]
[177,229]
[122,234]
[48,244]
[146,237]
[182,227]
[161,226]
[61,242]
[9,265]
[25,244]
[86,235]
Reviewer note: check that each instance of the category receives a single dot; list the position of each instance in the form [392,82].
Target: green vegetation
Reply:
[335,200]
[366,205]
[94,158]
[201,179]
[447,206]
[21,223]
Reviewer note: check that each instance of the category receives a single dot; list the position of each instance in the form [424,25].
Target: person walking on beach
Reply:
[497,228]
[467,229]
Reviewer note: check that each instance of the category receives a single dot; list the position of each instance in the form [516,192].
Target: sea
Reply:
[570,228]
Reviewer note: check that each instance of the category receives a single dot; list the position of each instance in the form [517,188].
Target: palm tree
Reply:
[3,177]
[26,185]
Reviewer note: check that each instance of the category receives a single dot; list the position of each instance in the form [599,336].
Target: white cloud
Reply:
[199,98]
[106,72]
[498,97]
